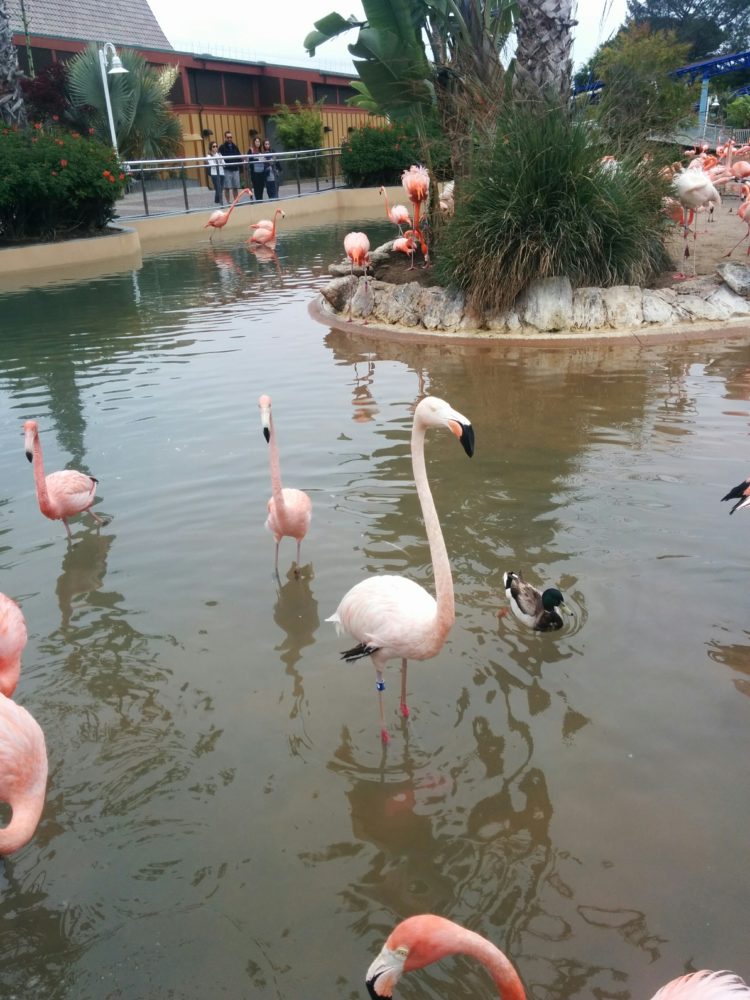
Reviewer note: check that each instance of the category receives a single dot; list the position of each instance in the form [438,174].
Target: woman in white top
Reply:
[216,170]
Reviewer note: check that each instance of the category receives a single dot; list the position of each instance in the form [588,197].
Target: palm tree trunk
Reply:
[543,57]
[12,107]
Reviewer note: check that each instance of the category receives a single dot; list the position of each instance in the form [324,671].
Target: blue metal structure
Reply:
[708,68]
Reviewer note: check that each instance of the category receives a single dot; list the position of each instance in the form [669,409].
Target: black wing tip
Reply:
[358,652]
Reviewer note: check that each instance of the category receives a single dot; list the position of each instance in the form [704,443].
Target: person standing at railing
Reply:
[216,170]
[257,167]
[232,163]
[273,170]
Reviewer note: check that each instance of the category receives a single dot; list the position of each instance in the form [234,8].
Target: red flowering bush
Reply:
[54,185]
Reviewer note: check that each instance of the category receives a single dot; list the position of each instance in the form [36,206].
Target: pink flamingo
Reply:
[289,510]
[398,214]
[219,218]
[416,182]
[406,244]
[13,639]
[265,231]
[743,213]
[60,494]
[421,940]
[391,616]
[23,773]
[357,248]
[695,191]
[424,939]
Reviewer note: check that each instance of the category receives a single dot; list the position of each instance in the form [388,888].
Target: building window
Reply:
[205,87]
[269,91]
[295,90]
[239,90]
[42,58]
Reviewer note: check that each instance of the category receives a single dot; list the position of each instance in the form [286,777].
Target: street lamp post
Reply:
[116,68]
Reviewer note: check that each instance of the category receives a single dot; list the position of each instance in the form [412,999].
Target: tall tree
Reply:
[544,67]
[12,107]
[709,26]
[460,81]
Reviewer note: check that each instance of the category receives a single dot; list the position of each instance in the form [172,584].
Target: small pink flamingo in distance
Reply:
[357,248]
[398,214]
[23,773]
[219,218]
[13,639]
[60,494]
[264,232]
[393,617]
[421,940]
[289,510]
[424,939]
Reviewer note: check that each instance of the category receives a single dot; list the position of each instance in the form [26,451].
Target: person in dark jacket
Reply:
[257,168]
[232,163]
[273,170]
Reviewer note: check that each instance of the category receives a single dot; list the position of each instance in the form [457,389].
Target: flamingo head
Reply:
[264,404]
[434,412]
[385,972]
[30,433]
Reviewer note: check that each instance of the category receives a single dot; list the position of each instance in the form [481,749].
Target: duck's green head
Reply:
[552,598]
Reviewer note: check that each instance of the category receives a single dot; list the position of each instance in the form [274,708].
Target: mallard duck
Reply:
[741,494]
[537,610]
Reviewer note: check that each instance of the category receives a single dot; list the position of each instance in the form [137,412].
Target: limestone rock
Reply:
[363,301]
[736,305]
[337,292]
[397,303]
[737,276]
[696,307]
[589,312]
[624,305]
[547,304]
[659,307]
[440,308]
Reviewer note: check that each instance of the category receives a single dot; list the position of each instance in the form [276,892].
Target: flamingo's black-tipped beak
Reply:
[267,434]
[30,456]
[467,439]
[739,493]
[370,984]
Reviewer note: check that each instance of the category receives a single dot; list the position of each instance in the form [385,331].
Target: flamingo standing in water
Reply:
[419,941]
[391,616]
[289,510]
[357,248]
[13,639]
[219,218]
[264,232]
[23,773]
[60,494]
[398,214]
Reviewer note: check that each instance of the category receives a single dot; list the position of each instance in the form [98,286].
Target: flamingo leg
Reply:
[404,706]
[730,252]
[351,294]
[380,688]
[99,520]
[67,528]
[276,560]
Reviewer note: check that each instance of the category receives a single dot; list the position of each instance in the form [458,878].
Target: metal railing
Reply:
[168,186]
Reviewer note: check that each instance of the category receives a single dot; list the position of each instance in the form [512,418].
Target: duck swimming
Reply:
[535,609]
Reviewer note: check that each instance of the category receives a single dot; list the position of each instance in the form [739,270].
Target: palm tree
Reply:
[543,68]
[12,107]
[145,125]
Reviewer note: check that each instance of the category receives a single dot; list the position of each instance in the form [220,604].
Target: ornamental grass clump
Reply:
[543,203]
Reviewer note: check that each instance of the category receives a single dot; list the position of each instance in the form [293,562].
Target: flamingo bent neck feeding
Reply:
[289,510]
[264,231]
[393,617]
[60,494]
[421,940]
[23,773]
[13,638]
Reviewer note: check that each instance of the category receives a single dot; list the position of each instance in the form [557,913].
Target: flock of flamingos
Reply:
[389,617]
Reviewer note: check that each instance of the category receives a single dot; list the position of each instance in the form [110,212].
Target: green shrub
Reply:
[541,204]
[738,112]
[54,184]
[377,154]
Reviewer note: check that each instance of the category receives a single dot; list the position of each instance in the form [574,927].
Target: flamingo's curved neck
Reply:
[273,224]
[10,672]
[453,940]
[27,809]
[231,207]
[39,478]
[387,210]
[438,553]
[273,458]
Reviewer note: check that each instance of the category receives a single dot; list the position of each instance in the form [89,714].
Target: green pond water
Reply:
[221,817]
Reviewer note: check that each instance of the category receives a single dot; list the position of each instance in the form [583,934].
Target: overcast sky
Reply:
[274,31]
